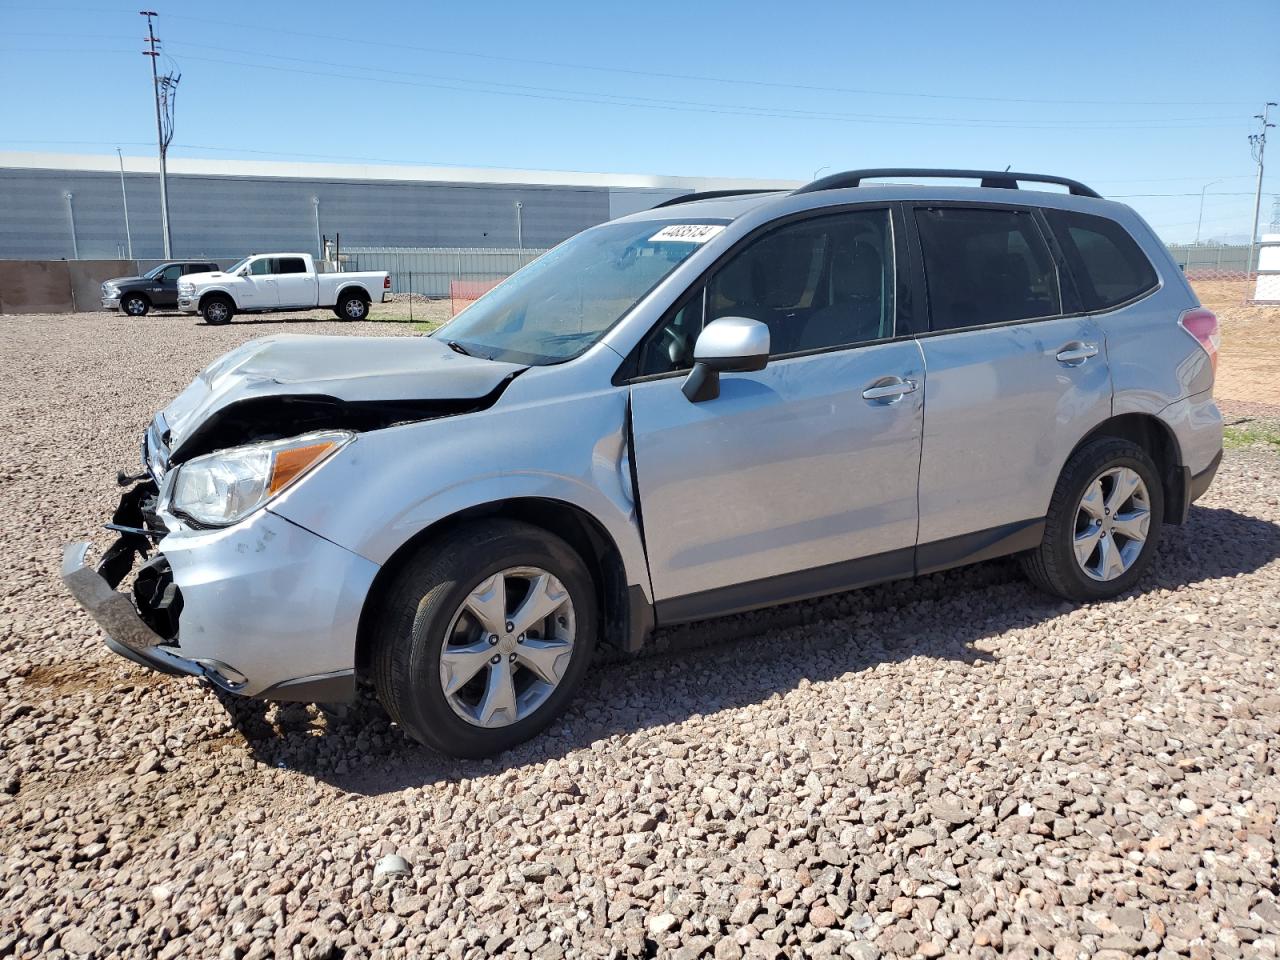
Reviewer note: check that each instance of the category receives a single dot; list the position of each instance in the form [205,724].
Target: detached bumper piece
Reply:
[115,613]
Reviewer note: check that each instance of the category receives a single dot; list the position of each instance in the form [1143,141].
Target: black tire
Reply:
[352,306]
[1053,566]
[134,305]
[418,609]
[217,310]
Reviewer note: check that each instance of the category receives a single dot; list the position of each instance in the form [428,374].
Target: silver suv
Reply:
[719,404]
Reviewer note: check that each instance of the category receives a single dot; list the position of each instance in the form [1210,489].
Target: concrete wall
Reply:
[56,286]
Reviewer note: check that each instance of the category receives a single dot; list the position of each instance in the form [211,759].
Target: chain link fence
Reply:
[458,274]
[1213,261]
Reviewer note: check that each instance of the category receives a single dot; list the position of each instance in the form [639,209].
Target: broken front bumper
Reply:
[115,613]
[262,609]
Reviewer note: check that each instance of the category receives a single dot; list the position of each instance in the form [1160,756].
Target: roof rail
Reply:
[707,195]
[989,178]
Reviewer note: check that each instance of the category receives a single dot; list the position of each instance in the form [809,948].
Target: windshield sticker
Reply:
[687,233]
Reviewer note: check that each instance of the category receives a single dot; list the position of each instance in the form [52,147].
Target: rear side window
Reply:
[1109,266]
[291,265]
[986,266]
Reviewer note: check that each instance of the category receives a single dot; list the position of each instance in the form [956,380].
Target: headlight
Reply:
[110,290]
[225,487]
[185,287]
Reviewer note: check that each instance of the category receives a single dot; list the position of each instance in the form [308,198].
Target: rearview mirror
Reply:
[727,345]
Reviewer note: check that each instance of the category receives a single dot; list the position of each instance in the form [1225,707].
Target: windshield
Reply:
[566,300]
[154,272]
[238,264]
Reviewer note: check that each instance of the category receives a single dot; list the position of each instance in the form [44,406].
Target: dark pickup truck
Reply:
[157,288]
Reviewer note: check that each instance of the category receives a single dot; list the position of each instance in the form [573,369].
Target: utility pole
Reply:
[124,198]
[1258,144]
[166,91]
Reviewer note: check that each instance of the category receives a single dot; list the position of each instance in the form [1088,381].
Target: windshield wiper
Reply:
[456,347]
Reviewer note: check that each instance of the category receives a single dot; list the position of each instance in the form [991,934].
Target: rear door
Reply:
[1017,376]
[799,479]
[296,287]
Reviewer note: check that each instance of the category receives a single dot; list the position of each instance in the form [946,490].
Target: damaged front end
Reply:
[247,600]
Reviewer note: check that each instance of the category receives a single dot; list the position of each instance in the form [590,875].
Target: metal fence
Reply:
[1213,261]
[440,271]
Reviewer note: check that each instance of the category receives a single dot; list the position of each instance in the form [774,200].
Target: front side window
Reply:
[567,299]
[172,273]
[817,284]
[263,267]
[1109,266]
[986,266]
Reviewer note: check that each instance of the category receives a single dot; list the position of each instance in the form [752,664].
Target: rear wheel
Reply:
[352,306]
[483,637]
[1103,525]
[135,305]
[217,311]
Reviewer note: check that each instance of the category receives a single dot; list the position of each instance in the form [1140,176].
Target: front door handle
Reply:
[889,389]
[1077,352]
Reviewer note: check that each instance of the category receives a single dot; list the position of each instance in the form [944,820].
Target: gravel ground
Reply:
[955,765]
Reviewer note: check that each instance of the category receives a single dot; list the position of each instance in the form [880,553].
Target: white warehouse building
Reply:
[59,206]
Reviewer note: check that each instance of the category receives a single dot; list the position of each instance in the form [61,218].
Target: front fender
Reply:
[200,294]
[387,486]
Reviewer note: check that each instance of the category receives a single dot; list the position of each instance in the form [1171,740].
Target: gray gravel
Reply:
[955,765]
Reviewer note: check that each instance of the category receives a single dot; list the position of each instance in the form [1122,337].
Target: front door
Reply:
[1014,384]
[799,479]
[164,288]
[258,290]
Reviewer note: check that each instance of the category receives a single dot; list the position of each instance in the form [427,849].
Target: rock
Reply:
[390,868]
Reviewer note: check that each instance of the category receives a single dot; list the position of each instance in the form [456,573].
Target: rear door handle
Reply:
[889,389]
[1076,353]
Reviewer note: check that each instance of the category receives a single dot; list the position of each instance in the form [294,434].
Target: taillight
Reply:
[386,282]
[1203,325]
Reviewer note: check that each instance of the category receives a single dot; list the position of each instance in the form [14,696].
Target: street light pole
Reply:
[1200,219]
[124,198]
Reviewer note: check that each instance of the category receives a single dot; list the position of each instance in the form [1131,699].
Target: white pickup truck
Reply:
[264,282]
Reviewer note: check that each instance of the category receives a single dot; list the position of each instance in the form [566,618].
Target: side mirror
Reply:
[727,345]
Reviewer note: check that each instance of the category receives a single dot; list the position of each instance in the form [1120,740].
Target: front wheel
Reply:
[352,307]
[135,305]
[1103,523]
[217,311]
[483,637]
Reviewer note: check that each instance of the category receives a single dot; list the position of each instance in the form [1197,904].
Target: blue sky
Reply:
[1144,101]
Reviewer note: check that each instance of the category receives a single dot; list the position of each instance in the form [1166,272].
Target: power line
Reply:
[382,44]
[563,95]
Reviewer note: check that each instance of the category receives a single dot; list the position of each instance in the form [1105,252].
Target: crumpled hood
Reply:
[354,369]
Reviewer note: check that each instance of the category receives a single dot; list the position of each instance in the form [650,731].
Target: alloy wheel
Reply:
[508,647]
[135,307]
[1112,522]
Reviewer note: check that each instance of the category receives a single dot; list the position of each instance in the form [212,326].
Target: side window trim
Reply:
[907,319]
[919,267]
